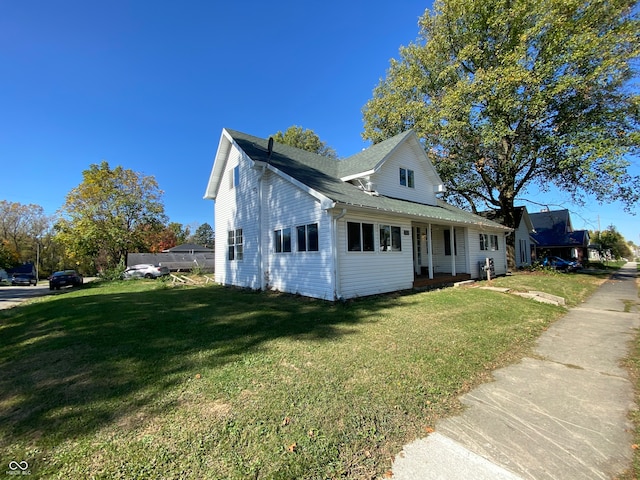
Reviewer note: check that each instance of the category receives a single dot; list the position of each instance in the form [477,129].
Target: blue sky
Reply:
[150,85]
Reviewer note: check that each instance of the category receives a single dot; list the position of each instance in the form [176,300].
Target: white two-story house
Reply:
[297,222]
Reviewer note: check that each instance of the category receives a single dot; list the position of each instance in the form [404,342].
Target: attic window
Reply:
[407,178]
[234,177]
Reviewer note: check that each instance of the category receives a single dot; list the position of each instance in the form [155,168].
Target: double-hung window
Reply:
[360,237]
[235,244]
[523,251]
[282,240]
[488,242]
[307,237]
[390,239]
[484,241]
[494,242]
[407,178]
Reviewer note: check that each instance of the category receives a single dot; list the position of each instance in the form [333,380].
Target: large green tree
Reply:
[22,230]
[611,241]
[304,139]
[111,213]
[204,236]
[510,95]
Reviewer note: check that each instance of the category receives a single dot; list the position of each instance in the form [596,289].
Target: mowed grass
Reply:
[144,380]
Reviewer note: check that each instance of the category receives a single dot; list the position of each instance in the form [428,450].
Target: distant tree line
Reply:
[611,242]
[112,212]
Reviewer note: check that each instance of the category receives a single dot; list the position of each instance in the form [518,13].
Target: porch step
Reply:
[463,283]
[439,280]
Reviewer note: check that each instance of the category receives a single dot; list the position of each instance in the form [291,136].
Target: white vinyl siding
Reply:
[387,179]
[523,245]
[478,256]
[306,272]
[235,208]
[372,272]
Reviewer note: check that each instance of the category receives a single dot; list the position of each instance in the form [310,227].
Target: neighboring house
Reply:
[523,244]
[554,236]
[294,221]
[184,257]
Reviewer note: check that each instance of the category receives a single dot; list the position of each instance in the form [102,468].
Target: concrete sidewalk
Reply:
[560,414]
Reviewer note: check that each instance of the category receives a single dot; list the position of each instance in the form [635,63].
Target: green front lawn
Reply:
[143,380]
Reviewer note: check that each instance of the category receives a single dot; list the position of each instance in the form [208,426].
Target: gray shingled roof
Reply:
[322,174]
[371,157]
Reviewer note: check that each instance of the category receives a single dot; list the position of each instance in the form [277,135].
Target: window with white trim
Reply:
[307,237]
[494,242]
[282,240]
[523,251]
[407,178]
[390,239]
[488,242]
[235,244]
[360,237]
[234,177]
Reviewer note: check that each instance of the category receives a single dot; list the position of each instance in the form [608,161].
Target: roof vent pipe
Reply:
[269,148]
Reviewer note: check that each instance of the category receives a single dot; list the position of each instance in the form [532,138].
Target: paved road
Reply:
[10,296]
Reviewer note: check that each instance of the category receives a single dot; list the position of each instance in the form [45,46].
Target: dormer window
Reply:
[406,178]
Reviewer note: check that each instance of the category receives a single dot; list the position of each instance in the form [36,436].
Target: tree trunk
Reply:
[507,212]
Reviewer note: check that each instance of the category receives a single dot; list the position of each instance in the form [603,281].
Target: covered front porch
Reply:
[439,279]
[440,254]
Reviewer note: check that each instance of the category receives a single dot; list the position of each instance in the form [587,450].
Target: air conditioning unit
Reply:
[439,188]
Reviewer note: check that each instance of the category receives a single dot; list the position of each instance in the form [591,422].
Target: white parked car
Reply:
[145,270]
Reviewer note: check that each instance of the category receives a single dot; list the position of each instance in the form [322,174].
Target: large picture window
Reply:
[235,244]
[307,237]
[390,239]
[360,237]
[282,240]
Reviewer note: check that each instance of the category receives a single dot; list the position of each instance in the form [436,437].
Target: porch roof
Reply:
[322,174]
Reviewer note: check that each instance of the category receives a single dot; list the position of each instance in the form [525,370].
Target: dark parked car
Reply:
[145,270]
[561,264]
[65,278]
[24,279]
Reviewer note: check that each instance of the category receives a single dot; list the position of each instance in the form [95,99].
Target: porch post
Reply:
[430,251]
[416,239]
[452,243]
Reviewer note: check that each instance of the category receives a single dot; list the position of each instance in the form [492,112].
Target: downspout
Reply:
[334,226]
